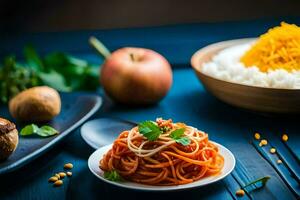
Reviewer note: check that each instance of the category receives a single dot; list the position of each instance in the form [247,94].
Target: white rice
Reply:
[226,66]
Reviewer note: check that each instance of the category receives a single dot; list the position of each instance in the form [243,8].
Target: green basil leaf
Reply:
[176,134]
[77,61]
[150,130]
[56,60]
[184,141]
[46,131]
[29,130]
[55,80]
[66,65]
[33,59]
[113,176]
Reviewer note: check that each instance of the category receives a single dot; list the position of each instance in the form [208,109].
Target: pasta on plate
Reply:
[163,153]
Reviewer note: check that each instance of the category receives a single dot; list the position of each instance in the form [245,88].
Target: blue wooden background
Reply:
[187,101]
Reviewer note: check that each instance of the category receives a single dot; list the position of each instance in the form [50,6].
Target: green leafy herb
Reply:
[55,80]
[177,136]
[113,176]
[33,59]
[44,131]
[262,180]
[150,130]
[29,130]
[58,70]
[184,141]
[15,78]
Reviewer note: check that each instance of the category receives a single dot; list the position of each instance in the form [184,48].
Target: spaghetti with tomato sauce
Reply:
[163,153]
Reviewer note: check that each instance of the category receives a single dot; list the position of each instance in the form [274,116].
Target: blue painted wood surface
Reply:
[187,101]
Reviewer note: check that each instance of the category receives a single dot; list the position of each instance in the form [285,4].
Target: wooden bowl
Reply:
[258,99]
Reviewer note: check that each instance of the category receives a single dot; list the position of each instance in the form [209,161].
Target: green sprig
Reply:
[150,130]
[44,131]
[58,70]
[177,135]
[262,180]
[113,176]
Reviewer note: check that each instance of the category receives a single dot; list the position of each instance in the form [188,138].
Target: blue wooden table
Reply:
[187,101]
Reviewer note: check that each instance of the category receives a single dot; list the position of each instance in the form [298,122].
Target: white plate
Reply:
[229,164]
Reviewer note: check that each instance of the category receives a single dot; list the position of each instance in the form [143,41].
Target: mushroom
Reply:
[8,138]
[37,104]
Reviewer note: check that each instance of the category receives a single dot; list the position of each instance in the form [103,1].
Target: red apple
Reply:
[136,76]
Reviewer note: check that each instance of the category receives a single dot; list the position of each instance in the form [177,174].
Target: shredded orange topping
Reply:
[279,48]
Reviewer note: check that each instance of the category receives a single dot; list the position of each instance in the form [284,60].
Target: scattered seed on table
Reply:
[62,174]
[240,193]
[272,150]
[58,183]
[53,179]
[68,166]
[57,175]
[69,173]
[279,161]
[257,136]
[264,142]
[285,137]
[260,144]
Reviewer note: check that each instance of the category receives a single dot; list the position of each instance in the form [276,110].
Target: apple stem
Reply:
[132,57]
[99,46]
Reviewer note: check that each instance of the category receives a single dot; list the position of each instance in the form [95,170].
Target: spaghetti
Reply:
[163,161]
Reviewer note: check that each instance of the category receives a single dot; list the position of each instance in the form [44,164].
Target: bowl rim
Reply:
[229,43]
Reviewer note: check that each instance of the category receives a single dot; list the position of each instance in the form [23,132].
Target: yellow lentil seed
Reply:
[69,173]
[260,144]
[58,183]
[57,175]
[68,166]
[62,174]
[279,161]
[257,136]
[53,179]
[264,142]
[240,193]
[285,137]
[272,150]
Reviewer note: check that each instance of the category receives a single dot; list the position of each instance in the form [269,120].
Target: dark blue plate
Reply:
[76,108]
[101,132]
